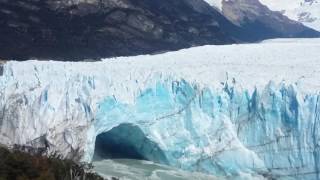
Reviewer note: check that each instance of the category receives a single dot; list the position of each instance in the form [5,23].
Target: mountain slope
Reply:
[93,29]
[75,30]
[304,11]
[259,22]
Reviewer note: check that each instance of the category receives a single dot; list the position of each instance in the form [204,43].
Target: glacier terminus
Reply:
[247,111]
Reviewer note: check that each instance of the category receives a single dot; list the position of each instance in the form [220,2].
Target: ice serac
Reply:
[247,114]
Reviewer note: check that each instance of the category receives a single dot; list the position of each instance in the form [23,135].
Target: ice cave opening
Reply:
[127,141]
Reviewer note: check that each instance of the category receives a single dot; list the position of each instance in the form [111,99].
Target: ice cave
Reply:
[127,141]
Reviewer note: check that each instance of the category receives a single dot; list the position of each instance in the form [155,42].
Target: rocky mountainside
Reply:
[304,11]
[93,29]
[73,30]
[258,21]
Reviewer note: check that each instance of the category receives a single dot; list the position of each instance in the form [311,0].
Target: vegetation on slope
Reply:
[18,165]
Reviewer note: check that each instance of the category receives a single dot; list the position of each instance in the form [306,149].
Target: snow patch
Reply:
[215,3]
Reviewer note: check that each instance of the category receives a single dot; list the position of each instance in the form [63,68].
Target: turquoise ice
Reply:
[269,133]
[211,109]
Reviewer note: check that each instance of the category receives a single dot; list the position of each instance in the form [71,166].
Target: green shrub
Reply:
[17,165]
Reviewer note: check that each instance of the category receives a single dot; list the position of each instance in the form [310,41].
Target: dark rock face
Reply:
[92,29]
[258,22]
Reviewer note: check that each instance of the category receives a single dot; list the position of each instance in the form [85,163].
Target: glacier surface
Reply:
[250,110]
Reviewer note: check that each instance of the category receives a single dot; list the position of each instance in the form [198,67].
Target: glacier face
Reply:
[273,132]
[250,110]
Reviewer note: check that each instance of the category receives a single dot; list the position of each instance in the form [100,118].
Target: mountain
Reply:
[94,29]
[304,11]
[250,110]
[77,30]
[259,22]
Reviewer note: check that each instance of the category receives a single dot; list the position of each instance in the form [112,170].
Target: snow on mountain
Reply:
[215,3]
[304,11]
[259,22]
[249,110]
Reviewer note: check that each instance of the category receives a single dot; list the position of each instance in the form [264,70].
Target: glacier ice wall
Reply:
[273,132]
[257,117]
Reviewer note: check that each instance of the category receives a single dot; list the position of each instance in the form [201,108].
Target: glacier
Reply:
[250,110]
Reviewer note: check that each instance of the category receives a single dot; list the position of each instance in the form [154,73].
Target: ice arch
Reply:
[228,131]
[189,125]
[127,141]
